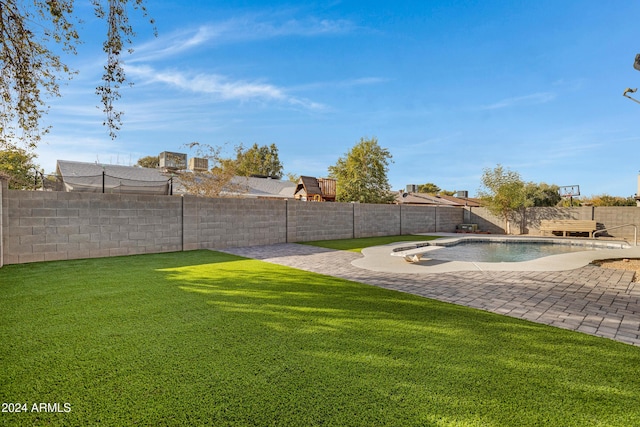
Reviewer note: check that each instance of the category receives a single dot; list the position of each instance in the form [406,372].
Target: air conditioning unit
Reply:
[412,188]
[462,194]
[175,161]
[467,228]
[197,164]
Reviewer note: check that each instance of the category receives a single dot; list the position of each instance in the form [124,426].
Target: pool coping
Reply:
[389,258]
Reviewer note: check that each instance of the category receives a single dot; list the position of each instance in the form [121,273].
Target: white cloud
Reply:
[236,30]
[173,45]
[348,83]
[533,99]
[221,87]
[140,66]
[307,27]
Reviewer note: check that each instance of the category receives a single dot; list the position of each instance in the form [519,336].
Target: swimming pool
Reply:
[499,250]
[487,251]
[422,257]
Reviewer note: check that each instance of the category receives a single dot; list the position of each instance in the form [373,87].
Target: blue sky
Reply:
[449,87]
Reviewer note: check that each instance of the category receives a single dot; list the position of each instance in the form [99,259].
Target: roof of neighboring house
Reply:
[422,199]
[465,201]
[430,199]
[264,187]
[82,176]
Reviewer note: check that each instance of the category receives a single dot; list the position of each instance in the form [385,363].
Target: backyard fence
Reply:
[43,225]
[55,225]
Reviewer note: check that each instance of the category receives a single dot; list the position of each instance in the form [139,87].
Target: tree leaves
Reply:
[259,160]
[503,192]
[119,34]
[17,166]
[215,182]
[30,71]
[362,174]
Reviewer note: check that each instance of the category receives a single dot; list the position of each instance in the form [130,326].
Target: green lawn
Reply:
[356,245]
[205,338]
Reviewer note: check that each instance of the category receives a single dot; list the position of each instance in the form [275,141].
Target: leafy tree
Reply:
[429,187]
[149,162]
[541,194]
[361,174]
[258,160]
[214,182]
[31,70]
[503,193]
[567,202]
[293,177]
[17,166]
[607,200]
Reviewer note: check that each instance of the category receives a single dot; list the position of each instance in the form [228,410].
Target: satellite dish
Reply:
[404,195]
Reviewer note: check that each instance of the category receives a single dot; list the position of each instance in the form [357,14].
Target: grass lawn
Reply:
[205,338]
[356,245]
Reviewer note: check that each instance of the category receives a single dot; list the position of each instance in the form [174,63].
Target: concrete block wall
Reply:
[45,226]
[612,217]
[606,218]
[486,221]
[534,216]
[191,221]
[429,219]
[307,221]
[225,222]
[42,226]
[447,218]
[417,219]
[376,220]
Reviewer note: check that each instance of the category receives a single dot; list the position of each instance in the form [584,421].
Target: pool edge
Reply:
[379,258]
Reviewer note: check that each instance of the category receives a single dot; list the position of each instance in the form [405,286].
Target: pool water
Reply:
[502,252]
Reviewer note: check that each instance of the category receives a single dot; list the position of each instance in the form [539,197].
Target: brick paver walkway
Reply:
[598,301]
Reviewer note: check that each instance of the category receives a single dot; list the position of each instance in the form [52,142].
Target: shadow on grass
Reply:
[206,338]
[417,359]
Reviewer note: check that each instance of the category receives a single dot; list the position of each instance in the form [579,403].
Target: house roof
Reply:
[263,187]
[422,199]
[430,199]
[465,201]
[71,169]
[82,176]
[89,177]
